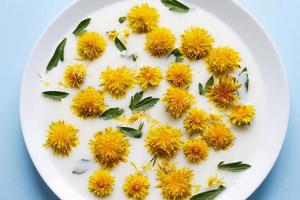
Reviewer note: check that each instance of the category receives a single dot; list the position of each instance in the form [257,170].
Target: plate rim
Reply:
[239,5]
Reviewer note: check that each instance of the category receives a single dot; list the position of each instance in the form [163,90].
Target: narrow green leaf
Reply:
[178,55]
[122,19]
[120,45]
[244,70]
[233,167]
[145,104]
[135,99]
[133,57]
[78,172]
[112,113]
[200,89]
[153,160]
[175,5]
[208,195]
[81,26]
[132,132]
[209,84]
[247,83]
[55,95]
[57,56]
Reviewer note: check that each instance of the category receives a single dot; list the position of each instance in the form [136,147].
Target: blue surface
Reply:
[21,23]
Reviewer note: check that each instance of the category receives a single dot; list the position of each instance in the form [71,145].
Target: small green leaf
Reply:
[153,160]
[247,83]
[145,104]
[175,5]
[81,26]
[244,70]
[233,167]
[55,95]
[134,57]
[178,55]
[120,45]
[209,84]
[131,132]
[122,19]
[135,99]
[112,113]
[57,56]
[200,89]
[208,195]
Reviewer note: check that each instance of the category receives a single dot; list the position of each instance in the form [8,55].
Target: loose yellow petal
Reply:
[149,77]
[88,103]
[242,114]
[219,136]
[195,150]
[179,74]
[160,42]
[101,183]
[74,75]
[136,186]
[177,101]
[196,43]
[223,60]
[90,46]
[118,81]
[109,147]
[62,138]
[214,181]
[196,121]
[163,141]
[142,18]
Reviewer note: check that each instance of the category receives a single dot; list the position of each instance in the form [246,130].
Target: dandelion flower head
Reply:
[179,74]
[136,186]
[149,77]
[242,114]
[196,121]
[101,183]
[195,150]
[74,75]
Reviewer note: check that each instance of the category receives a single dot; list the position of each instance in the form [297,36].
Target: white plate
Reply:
[231,25]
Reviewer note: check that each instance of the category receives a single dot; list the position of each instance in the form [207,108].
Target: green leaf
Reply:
[55,95]
[57,56]
[81,26]
[233,167]
[134,57]
[175,5]
[178,55]
[122,19]
[120,45]
[209,84]
[208,195]
[131,132]
[112,113]
[135,99]
[145,104]
[244,70]
[200,89]
[247,83]
[153,160]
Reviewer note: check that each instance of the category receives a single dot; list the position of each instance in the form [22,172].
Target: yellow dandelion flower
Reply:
[149,77]
[62,138]
[223,60]
[163,141]
[175,184]
[196,43]
[179,74]
[142,18]
[160,42]
[74,75]
[109,147]
[112,35]
[90,46]
[177,101]
[242,114]
[196,121]
[101,183]
[224,93]
[214,181]
[218,136]
[88,103]
[118,81]
[195,150]
[136,186]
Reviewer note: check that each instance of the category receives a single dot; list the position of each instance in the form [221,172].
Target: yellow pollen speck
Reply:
[196,121]
[242,114]
[101,183]
[109,147]
[136,186]
[142,18]
[74,75]
[179,74]
[196,43]
[62,138]
[149,77]
[160,42]
[90,46]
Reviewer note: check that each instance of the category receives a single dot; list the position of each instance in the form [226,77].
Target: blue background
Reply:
[21,23]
